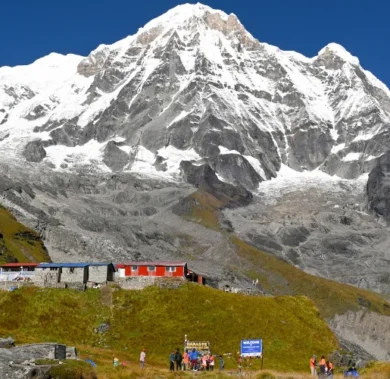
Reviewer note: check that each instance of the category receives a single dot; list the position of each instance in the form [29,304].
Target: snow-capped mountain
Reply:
[194,85]
[92,151]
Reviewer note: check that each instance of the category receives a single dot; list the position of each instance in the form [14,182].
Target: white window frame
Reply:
[170,269]
[152,269]
[134,268]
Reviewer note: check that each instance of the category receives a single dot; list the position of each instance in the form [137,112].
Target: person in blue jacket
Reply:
[194,359]
[172,361]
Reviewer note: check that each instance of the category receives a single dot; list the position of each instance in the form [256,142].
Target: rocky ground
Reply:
[18,362]
[321,225]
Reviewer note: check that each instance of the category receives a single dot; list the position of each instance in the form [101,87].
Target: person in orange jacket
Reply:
[186,360]
[313,365]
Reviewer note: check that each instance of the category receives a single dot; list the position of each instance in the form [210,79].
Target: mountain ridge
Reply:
[80,113]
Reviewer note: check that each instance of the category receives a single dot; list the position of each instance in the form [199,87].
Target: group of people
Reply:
[326,368]
[193,360]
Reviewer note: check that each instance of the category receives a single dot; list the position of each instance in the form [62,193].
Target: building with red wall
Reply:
[158,269]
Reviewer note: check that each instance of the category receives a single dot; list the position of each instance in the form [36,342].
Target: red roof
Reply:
[164,264]
[29,264]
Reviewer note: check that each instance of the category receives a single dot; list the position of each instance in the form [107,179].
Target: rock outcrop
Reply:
[378,188]
[115,158]
[366,329]
[18,362]
[34,151]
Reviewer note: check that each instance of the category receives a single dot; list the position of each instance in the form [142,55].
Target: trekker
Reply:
[172,361]
[330,367]
[142,357]
[239,362]
[313,365]
[204,362]
[186,360]
[221,363]
[194,359]
[212,362]
[178,359]
[322,366]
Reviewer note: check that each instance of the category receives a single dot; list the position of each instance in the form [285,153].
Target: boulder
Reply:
[6,342]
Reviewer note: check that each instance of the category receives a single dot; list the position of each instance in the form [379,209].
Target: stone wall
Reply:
[46,277]
[136,283]
[98,274]
[141,282]
[74,275]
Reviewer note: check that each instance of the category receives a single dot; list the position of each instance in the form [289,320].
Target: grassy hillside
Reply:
[18,243]
[377,370]
[158,319]
[280,278]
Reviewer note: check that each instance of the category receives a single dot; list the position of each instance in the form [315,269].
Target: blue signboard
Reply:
[251,348]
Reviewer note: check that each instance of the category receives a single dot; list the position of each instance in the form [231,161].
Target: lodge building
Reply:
[47,274]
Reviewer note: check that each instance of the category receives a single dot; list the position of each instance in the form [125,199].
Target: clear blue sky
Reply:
[33,28]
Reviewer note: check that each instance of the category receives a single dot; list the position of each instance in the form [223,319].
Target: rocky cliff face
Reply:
[378,188]
[366,329]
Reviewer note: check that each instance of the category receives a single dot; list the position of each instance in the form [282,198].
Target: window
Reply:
[151,268]
[53,268]
[71,270]
[134,268]
[171,269]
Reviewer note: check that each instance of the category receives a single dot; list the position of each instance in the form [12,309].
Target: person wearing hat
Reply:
[313,365]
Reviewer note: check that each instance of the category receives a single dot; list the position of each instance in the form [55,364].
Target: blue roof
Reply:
[72,265]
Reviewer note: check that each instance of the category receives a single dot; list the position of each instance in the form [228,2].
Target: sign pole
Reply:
[262,356]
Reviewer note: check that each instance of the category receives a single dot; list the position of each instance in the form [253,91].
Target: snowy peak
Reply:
[21,83]
[339,51]
[189,22]
[178,15]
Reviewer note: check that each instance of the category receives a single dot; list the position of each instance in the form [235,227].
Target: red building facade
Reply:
[158,269]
